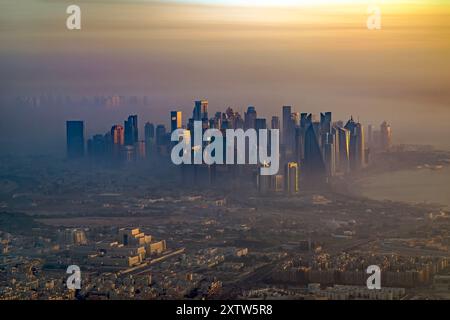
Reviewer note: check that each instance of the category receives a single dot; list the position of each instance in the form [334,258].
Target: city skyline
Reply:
[315,148]
[313,57]
[212,151]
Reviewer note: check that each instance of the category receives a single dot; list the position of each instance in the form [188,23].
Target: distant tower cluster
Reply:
[380,139]
[320,147]
[121,144]
[312,149]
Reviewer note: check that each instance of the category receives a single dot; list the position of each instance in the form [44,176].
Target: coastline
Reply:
[422,181]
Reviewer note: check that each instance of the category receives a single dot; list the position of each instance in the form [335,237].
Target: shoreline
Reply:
[379,177]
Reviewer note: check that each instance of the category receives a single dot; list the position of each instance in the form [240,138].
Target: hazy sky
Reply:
[313,57]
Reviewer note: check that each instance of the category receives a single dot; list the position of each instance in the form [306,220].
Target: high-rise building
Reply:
[344,150]
[140,148]
[291,177]
[97,146]
[238,122]
[149,138]
[357,148]
[200,110]
[286,125]
[200,113]
[264,181]
[260,124]
[117,140]
[216,122]
[314,167]
[225,123]
[160,135]
[370,136]
[75,139]
[275,123]
[107,137]
[305,120]
[277,183]
[361,145]
[175,120]
[233,119]
[385,136]
[129,153]
[299,144]
[149,132]
[295,118]
[325,122]
[204,109]
[118,135]
[250,118]
[336,147]
[329,153]
[131,130]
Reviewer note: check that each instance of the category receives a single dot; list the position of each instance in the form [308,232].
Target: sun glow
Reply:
[281,3]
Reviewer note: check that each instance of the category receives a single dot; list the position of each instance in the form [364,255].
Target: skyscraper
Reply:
[295,118]
[204,109]
[250,118]
[200,110]
[160,135]
[260,124]
[275,123]
[360,146]
[385,136]
[286,125]
[149,132]
[329,153]
[175,120]
[370,136]
[141,150]
[96,146]
[117,139]
[299,144]
[277,182]
[263,181]
[357,152]
[314,167]
[129,154]
[344,150]
[325,122]
[305,120]
[336,146]
[291,177]
[118,135]
[131,130]
[75,139]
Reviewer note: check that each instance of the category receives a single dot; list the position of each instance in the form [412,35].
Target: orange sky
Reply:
[316,58]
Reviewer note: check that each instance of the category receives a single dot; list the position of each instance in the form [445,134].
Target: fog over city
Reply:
[313,58]
[224,153]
